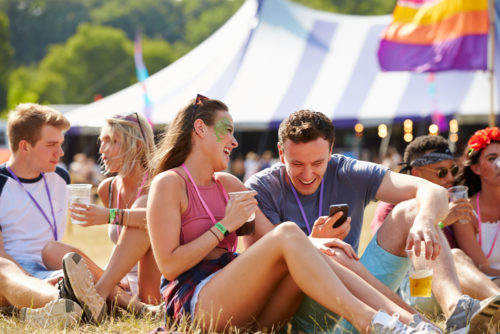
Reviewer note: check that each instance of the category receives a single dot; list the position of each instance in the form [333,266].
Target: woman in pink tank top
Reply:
[192,228]
[480,239]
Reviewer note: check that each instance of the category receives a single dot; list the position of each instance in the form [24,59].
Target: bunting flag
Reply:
[436,35]
[142,74]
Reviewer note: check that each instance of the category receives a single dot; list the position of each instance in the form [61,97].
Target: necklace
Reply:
[301,208]
[53,225]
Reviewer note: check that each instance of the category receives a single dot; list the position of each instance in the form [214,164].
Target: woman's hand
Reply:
[91,214]
[459,209]
[238,209]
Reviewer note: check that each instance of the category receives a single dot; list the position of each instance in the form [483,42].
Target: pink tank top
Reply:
[195,220]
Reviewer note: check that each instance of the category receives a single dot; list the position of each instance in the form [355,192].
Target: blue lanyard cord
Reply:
[302,208]
[53,225]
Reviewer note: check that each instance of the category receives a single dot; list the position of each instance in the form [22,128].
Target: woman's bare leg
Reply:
[241,290]
[473,281]
[149,279]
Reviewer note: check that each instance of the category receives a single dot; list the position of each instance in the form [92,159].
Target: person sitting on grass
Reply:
[32,213]
[430,158]
[192,226]
[126,146]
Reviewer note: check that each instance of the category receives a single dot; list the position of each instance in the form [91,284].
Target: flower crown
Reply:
[483,138]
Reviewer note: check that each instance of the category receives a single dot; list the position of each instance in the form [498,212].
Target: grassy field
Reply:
[94,242]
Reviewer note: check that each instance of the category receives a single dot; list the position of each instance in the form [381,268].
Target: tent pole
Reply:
[491,61]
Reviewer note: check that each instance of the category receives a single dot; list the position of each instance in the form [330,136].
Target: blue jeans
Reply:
[390,269]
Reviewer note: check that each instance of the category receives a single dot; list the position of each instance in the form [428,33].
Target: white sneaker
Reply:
[419,323]
[382,323]
[63,312]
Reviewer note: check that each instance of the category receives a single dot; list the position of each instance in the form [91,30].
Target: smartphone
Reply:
[334,208]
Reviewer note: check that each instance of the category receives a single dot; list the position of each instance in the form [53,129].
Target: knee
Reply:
[288,231]
[459,256]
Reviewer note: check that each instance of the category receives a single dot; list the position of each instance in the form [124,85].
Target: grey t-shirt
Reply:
[346,180]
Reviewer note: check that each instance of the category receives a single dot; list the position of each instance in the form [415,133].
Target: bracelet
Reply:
[215,235]
[112,215]
[441,225]
[222,228]
[122,211]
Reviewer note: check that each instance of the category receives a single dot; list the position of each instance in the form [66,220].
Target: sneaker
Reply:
[62,312]
[79,284]
[469,316]
[419,323]
[383,323]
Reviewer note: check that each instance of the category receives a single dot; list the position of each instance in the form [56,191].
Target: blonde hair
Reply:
[132,129]
[26,122]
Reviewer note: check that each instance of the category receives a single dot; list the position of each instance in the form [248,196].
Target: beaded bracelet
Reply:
[112,215]
[215,235]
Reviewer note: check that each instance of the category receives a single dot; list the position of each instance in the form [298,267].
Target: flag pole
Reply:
[491,61]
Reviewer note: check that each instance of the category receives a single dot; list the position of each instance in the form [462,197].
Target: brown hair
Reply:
[26,121]
[306,125]
[176,143]
[130,132]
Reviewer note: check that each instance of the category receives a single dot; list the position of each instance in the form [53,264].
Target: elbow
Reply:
[442,201]
[170,272]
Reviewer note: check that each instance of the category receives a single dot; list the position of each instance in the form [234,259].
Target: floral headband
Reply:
[483,138]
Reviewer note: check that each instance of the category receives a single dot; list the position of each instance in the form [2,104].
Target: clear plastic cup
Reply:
[79,193]
[458,192]
[420,270]
[249,226]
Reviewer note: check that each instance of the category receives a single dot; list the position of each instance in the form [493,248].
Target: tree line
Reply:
[72,51]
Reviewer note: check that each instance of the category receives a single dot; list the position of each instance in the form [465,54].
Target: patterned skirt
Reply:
[179,292]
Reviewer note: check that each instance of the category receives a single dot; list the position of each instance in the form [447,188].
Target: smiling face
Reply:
[305,163]
[110,149]
[44,155]
[222,140]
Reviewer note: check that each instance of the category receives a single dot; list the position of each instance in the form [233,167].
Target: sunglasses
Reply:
[133,117]
[198,102]
[443,171]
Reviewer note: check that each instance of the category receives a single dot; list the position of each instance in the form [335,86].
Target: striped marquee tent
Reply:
[274,57]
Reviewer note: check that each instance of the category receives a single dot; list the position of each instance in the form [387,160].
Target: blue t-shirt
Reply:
[346,180]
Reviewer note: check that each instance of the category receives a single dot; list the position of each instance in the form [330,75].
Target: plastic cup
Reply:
[79,193]
[420,270]
[249,226]
[458,192]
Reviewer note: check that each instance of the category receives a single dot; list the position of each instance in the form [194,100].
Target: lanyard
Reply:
[479,228]
[144,178]
[300,204]
[207,209]
[53,225]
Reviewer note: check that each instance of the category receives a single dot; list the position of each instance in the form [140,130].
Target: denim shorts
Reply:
[390,269]
[38,270]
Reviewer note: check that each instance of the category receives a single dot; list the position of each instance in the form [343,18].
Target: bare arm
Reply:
[5,255]
[432,205]
[167,200]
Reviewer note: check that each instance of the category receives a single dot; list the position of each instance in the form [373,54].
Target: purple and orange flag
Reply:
[436,35]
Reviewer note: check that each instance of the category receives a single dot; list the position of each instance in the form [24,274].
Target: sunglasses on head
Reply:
[199,101]
[133,117]
[443,171]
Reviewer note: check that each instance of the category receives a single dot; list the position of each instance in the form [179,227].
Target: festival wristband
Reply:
[112,215]
[441,225]
[222,229]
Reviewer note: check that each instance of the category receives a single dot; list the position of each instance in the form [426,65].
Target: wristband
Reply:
[222,228]
[215,235]
[112,215]
[441,225]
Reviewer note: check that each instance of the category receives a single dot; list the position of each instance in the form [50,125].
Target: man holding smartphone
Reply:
[310,179]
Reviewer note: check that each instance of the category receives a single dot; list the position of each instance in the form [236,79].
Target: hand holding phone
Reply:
[334,208]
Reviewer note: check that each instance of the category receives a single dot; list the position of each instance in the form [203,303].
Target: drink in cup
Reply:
[79,193]
[420,274]
[249,226]
[458,192]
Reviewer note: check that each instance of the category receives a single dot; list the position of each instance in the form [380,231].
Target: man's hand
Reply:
[427,233]
[328,245]
[323,227]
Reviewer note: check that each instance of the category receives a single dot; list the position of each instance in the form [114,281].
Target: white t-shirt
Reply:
[24,229]
[488,233]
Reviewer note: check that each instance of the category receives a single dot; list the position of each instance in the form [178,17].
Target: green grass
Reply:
[95,243]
